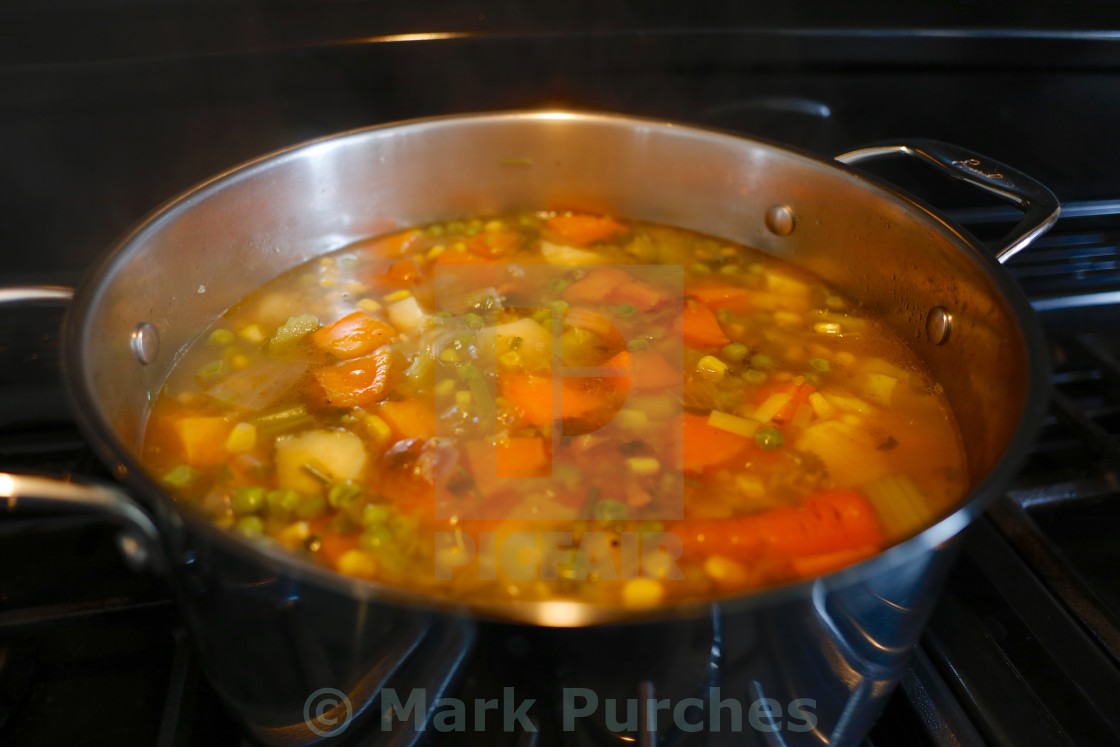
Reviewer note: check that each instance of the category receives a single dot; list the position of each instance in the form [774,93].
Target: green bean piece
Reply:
[769,438]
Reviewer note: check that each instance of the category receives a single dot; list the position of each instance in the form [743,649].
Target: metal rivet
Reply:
[779,219]
[145,342]
[939,324]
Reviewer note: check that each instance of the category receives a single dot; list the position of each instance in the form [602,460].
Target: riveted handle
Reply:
[1039,205]
[139,539]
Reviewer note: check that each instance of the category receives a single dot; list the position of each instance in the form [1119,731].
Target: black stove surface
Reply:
[111,109]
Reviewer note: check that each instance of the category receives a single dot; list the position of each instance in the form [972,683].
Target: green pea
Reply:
[820,364]
[376,537]
[211,370]
[473,320]
[557,285]
[735,351]
[701,269]
[762,362]
[638,343]
[374,513]
[248,500]
[180,476]
[609,509]
[282,500]
[312,507]
[769,438]
[250,526]
[221,337]
[754,376]
[344,494]
[625,309]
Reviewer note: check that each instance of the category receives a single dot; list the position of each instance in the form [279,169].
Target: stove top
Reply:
[110,109]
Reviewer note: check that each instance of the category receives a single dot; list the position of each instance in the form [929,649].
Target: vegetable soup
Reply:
[557,406]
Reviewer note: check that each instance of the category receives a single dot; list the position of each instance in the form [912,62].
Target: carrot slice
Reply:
[522,457]
[722,296]
[355,382]
[582,230]
[642,296]
[400,274]
[827,522]
[493,244]
[706,446]
[353,335]
[597,286]
[409,418]
[652,372]
[529,396]
[700,327]
[580,399]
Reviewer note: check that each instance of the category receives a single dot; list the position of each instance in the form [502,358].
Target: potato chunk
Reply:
[340,455]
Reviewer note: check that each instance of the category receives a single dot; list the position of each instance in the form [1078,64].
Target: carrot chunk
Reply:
[652,372]
[401,274]
[522,457]
[354,382]
[353,335]
[700,327]
[706,446]
[494,244]
[642,296]
[826,523]
[409,418]
[582,230]
[597,286]
[203,439]
[722,296]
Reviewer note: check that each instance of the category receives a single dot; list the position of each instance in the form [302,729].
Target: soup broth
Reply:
[557,406]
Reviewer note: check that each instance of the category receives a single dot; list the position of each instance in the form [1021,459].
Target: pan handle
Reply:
[36,294]
[139,539]
[1039,205]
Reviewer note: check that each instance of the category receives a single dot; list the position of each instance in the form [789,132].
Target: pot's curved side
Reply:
[277,648]
[273,630]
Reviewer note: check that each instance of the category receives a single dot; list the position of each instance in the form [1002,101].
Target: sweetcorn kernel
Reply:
[642,592]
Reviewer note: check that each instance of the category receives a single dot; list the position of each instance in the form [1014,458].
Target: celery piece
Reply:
[288,419]
[902,508]
[733,423]
[293,330]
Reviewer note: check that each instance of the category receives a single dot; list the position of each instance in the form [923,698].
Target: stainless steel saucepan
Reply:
[809,663]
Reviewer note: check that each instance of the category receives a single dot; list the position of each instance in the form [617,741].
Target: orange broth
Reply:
[557,406]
